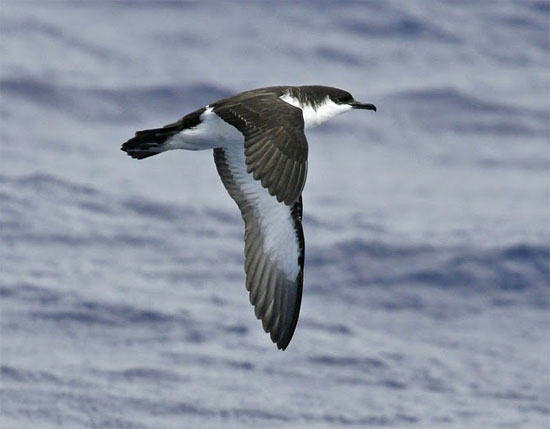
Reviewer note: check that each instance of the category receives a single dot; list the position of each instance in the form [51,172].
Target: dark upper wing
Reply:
[275,143]
[275,295]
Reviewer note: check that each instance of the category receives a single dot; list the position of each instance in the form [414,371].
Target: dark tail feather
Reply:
[147,143]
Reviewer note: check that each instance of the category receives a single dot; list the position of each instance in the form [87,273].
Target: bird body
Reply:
[260,151]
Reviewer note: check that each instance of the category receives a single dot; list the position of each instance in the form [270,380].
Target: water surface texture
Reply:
[426,295]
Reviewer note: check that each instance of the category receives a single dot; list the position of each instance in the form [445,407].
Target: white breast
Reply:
[314,116]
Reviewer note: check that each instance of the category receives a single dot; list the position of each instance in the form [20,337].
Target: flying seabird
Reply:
[260,151]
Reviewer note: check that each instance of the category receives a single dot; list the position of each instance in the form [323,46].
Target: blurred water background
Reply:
[426,296]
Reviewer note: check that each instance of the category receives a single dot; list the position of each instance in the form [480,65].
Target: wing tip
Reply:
[283,343]
[280,336]
[282,339]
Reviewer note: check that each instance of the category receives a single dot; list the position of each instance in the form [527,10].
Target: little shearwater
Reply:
[260,151]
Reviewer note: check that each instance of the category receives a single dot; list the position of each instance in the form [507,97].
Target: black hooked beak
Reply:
[366,106]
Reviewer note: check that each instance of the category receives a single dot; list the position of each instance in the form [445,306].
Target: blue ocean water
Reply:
[426,294]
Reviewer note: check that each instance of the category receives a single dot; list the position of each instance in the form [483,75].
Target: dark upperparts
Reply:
[309,94]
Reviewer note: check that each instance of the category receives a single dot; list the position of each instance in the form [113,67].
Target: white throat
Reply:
[321,113]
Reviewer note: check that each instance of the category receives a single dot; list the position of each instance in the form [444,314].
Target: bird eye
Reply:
[344,99]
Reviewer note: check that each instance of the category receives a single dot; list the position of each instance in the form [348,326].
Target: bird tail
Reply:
[147,143]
